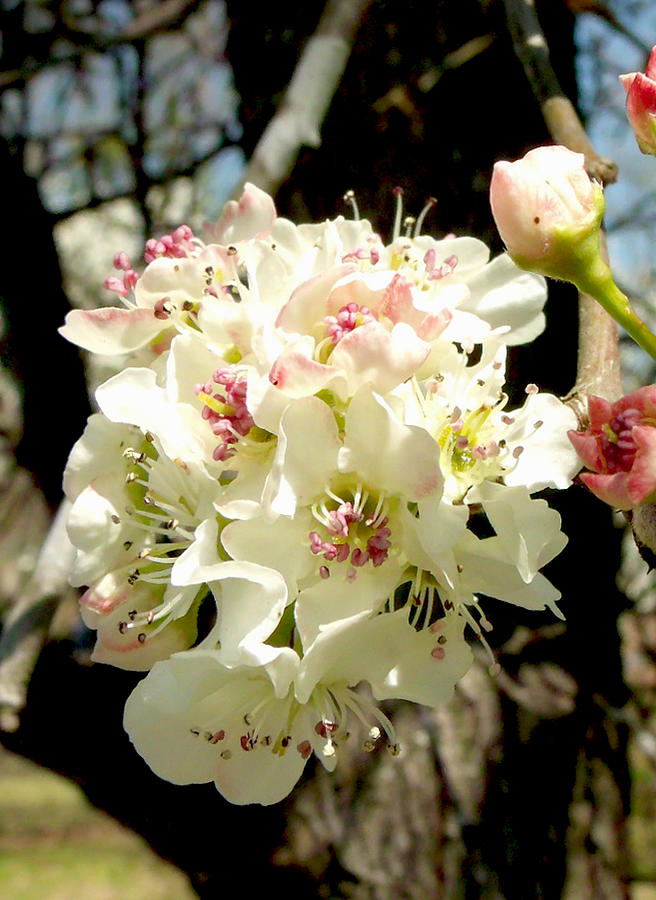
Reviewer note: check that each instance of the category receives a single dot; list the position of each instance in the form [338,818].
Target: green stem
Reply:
[598,283]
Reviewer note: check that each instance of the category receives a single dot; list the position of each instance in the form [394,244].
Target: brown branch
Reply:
[559,114]
[598,364]
[298,120]
[157,18]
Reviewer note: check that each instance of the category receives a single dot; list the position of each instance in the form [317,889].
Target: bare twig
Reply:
[598,366]
[156,18]
[602,11]
[27,623]
[298,120]
[559,114]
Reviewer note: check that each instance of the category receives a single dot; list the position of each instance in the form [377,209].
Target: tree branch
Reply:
[559,114]
[602,11]
[298,120]
[598,364]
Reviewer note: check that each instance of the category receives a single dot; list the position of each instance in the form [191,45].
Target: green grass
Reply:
[54,845]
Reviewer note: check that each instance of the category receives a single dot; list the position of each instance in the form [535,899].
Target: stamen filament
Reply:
[396,231]
[430,203]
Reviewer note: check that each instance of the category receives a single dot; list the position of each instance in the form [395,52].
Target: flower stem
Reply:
[598,283]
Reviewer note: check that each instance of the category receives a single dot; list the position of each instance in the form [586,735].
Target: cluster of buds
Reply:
[549,214]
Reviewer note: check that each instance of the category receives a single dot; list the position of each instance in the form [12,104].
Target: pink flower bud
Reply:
[619,446]
[543,205]
[641,104]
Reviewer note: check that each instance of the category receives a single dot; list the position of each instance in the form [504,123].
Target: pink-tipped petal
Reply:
[372,355]
[642,478]
[612,489]
[641,104]
[587,447]
[309,302]
[599,411]
[641,97]
[650,71]
[300,376]
[627,80]
[111,330]
[643,399]
[252,216]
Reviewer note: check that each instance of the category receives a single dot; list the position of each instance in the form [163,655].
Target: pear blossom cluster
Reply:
[301,483]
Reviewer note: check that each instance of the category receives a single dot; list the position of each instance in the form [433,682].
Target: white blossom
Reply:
[251,728]
[276,509]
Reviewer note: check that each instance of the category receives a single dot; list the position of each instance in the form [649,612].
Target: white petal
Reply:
[187,720]
[97,528]
[133,397]
[486,569]
[178,281]
[528,529]
[471,255]
[388,455]
[251,598]
[282,545]
[190,362]
[418,674]
[308,304]
[99,450]
[548,458]
[306,456]
[159,716]
[252,215]
[429,538]
[502,294]
[111,330]
[336,597]
[390,654]
[269,777]
[373,355]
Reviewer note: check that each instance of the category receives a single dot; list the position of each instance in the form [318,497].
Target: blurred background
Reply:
[121,120]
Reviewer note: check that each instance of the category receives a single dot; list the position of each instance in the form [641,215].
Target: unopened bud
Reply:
[549,212]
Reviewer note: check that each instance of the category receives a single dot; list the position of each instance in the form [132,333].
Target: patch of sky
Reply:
[215,180]
[60,101]
[115,14]
[604,54]
[188,115]
[63,186]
